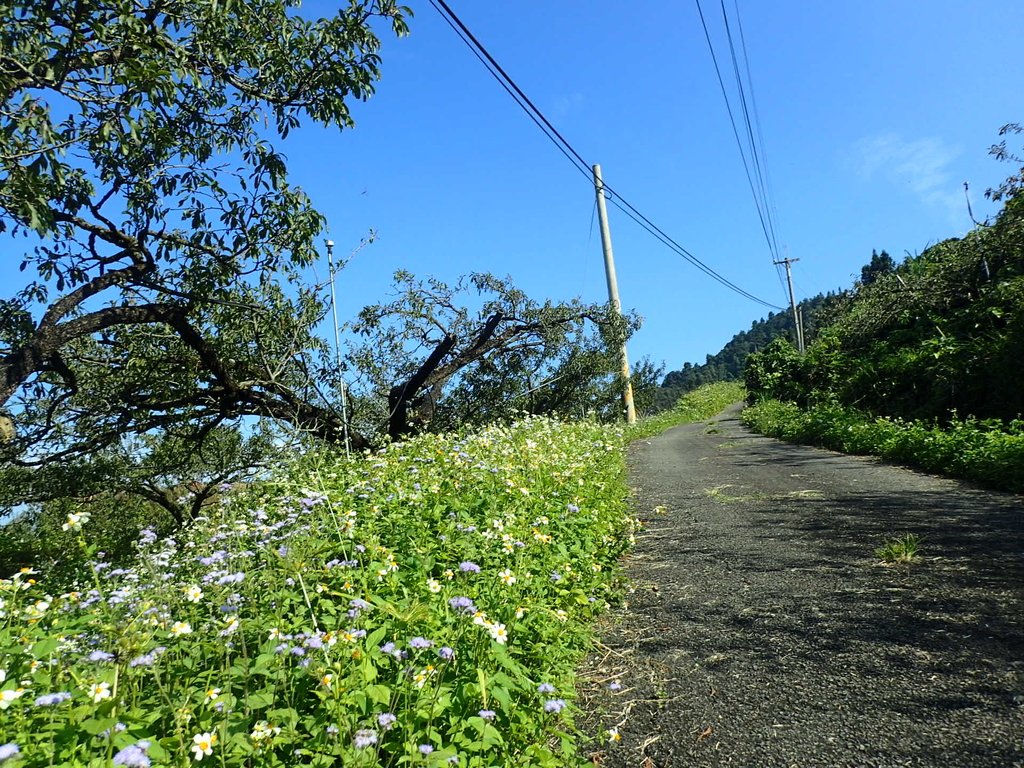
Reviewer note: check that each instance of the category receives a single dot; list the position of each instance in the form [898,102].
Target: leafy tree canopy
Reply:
[155,221]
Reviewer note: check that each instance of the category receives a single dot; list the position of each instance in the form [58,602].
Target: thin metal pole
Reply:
[337,349]
[613,289]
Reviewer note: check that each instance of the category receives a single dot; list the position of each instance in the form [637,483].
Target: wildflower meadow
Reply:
[422,605]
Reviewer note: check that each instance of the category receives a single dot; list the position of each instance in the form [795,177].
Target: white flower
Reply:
[507,576]
[212,694]
[498,632]
[202,744]
[181,628]
[75,521]
[99,691]
[614,736]
[434,585]
[193,594]
[9,695]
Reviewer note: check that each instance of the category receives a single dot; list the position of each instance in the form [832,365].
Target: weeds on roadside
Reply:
[900,550]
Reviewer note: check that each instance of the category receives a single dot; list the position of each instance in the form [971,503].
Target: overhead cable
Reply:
[574,157]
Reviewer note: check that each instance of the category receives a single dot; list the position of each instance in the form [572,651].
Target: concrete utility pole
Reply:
[613,289]
[337,348]
[797,320]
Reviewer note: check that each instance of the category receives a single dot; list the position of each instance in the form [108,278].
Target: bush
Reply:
[987,452]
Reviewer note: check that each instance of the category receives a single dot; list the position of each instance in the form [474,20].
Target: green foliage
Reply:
[702,403]
[989,452]
[440,356]
[778,372]
[439,592]
[728,364]
[163,244]
[900,550]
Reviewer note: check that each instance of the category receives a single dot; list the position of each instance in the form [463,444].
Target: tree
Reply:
[159,227]
[880,264]
[1013,185]
[431,362]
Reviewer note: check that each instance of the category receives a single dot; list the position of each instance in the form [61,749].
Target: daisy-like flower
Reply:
[507,576]
[561,615]
[75,521]
[10,694]
[99,692]
[203,744]
[230,626]
[193,593]
[499,633]
[212,694]
[181,628]
[262,731]
[434,585]
[480,619]
[614,737]
[520,612]
[421,677]
[326,680]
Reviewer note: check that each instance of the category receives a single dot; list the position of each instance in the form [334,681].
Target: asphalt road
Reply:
[761,629]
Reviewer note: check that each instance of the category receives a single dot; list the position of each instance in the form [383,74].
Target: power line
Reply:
[574,157]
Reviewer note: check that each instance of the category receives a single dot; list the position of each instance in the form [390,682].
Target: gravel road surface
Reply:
[761,629]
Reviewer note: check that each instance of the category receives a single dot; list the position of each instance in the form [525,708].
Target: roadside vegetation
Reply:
[921,363]
[701,403]
[425,604]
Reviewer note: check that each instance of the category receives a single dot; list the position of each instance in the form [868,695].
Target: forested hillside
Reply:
[727,364]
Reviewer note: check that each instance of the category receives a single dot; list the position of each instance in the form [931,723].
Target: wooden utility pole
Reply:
[797,320]
[613,290]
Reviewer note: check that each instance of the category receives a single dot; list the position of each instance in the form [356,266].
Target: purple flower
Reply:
[133,755]
[314,642]
[469,567]
[297,651]
[9,750]
[52,699]
[231,578]
[420,642]
[572,508]
[365,738]
[556,576]
[463,604]
[101,656]
[545,688]
[446,653]
[386,721]
[426,749]
[487,714]
[554,705]
[614,686]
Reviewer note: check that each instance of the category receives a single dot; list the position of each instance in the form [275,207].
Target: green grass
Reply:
[900,550]
[417,606]
[700,404]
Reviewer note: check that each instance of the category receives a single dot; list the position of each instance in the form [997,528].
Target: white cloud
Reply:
[922,165]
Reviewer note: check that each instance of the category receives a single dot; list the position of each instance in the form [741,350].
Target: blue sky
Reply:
[873,115]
